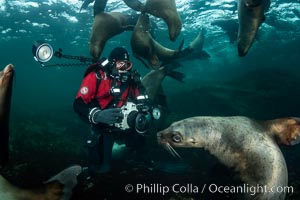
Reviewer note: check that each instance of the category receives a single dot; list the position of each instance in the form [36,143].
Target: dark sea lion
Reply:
[164,9]
[6,85]
[251,16]
[144,46]
[106,26]
[58,187]
[247,145]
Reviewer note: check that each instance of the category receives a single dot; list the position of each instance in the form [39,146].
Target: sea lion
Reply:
[6,84]
[58,187]
[107,25]
[251,16]
[144,46]
[249,146]
[164,9]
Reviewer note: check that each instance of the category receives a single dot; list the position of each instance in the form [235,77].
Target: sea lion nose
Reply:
[158,134]
[160,137]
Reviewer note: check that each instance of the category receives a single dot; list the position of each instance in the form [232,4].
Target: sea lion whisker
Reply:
[173,151]
[177,154]
[167,146]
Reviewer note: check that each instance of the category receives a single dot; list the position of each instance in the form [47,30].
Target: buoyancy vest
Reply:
[96,88]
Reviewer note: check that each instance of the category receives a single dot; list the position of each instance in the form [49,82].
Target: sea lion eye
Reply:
[176,138]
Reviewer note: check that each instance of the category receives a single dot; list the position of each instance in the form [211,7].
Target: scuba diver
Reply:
[112,100]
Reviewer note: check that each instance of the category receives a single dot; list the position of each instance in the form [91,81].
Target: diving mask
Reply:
[123,65]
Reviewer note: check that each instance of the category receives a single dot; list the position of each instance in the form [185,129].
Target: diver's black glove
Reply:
[107,116]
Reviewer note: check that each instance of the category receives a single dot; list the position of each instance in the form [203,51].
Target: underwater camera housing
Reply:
[137,116]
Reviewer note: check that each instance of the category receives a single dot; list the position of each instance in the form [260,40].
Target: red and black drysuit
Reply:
[95,91]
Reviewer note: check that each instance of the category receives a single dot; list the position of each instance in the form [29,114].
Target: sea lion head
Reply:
[171,137]
[243,47]
[180,134]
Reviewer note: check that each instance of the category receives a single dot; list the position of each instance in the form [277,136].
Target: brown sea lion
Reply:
[247,145]
[107,25]
[164,9]
[251,16]
[144,46]
[6,84]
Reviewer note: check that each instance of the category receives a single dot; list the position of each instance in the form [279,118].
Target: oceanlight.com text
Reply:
[157,188]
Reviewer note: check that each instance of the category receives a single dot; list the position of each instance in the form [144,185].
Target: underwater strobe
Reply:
[42,52]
